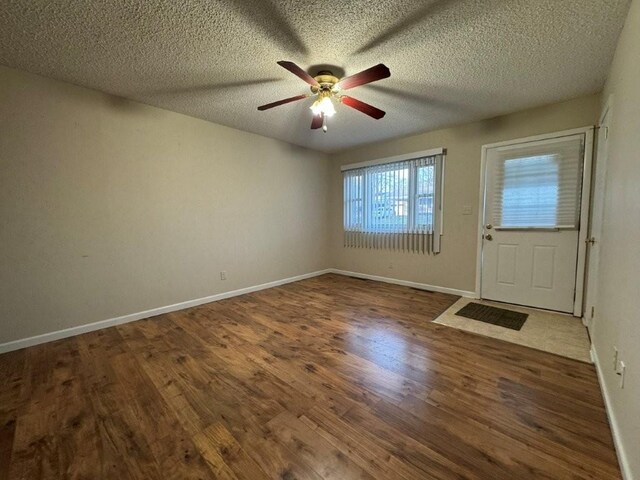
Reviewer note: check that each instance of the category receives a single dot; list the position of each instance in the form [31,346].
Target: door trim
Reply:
[607,109]
[584,206]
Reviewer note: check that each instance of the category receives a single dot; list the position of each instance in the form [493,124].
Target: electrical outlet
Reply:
[223,275]
[391,266]
[615,359]
[621,369]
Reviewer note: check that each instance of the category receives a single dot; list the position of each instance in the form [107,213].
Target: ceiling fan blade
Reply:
[281,102]
[296,70]
[373,74]
[316,122]
[363,107]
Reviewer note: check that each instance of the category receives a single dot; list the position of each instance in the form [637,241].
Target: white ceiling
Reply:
[451,61]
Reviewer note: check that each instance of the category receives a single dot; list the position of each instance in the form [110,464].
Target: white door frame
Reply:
[584,206]
[597,191]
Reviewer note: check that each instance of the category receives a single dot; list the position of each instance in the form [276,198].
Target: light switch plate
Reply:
[466,210]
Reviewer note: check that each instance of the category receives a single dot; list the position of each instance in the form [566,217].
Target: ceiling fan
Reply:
[325,86]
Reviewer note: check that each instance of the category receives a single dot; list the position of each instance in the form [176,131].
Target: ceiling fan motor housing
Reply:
[327,81]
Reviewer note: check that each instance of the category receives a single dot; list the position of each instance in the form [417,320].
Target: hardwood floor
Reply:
[327,378]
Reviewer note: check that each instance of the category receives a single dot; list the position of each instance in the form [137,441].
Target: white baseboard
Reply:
[620,450]
[132,317]
[406,283]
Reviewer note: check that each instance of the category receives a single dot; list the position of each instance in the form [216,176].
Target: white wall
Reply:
[617,319]
[110,207]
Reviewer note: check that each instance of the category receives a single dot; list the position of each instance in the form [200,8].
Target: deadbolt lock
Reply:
[488,226]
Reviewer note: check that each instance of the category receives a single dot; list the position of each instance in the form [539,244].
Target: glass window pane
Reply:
[425,179]
[530,191]
[389,199]
[425,184]
[538,184]
[353,191]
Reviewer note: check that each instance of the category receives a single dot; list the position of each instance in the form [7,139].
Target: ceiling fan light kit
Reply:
[325,86]
[323,105]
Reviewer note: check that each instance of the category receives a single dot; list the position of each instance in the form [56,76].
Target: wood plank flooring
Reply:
[327,378]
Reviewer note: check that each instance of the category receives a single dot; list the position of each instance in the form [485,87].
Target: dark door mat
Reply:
[493,315]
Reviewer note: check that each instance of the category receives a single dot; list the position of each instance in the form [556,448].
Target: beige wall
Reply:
[617,320]
[110,207]
[455,267]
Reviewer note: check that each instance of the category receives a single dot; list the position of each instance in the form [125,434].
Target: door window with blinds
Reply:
[538,186]
[394,204]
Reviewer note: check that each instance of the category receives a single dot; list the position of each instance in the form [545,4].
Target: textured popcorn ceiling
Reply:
[451,61]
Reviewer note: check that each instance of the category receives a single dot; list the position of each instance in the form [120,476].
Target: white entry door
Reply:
[532,210]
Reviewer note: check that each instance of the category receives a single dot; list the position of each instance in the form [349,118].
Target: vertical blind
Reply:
[394,205]
[539,185]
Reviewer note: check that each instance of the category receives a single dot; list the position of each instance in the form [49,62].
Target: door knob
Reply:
[488,237]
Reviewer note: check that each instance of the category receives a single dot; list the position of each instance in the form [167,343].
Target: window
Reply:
[538,186]
[385,201]
[530,199]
